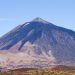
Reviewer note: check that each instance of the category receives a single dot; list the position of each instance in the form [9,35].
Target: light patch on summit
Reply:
[27,23]
[38,19]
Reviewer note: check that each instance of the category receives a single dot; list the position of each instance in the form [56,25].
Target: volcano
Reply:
[38,43]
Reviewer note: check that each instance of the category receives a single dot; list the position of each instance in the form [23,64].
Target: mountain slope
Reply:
[43,41]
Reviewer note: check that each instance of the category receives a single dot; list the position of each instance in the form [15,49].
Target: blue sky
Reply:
[15,12]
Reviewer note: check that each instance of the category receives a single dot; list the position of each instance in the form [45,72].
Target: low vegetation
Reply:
[46,71]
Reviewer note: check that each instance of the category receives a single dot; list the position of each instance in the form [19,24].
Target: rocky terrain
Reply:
[37,43]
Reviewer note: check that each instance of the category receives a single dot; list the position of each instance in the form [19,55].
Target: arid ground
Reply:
[46,71]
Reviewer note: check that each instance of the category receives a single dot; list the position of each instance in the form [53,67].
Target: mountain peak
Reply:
[38,19]
[37,43]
